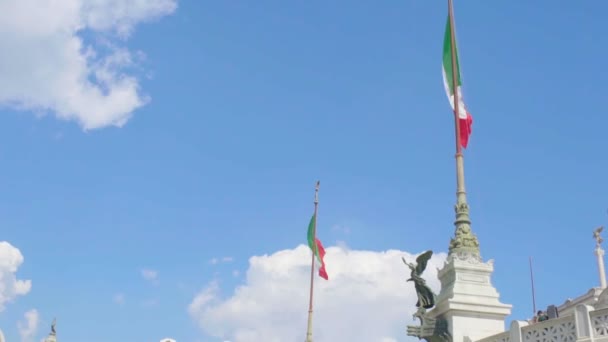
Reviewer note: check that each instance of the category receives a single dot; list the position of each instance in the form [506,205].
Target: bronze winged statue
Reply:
[426,297]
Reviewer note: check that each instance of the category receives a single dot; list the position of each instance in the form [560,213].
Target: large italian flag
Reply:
[464,117]
[317,247]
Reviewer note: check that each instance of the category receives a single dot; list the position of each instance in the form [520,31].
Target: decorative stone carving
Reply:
[600,325]
[467,256]
[558,330]
[431,329]
[464,241]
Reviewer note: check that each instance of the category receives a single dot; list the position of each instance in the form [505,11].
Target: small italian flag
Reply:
[464,117]
[317,247]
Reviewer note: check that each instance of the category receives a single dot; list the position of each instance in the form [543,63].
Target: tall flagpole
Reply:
[465,241]
[460,192]
[533,290]
[312,267]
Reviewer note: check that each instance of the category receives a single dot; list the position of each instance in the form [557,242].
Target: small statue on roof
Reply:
[596,235]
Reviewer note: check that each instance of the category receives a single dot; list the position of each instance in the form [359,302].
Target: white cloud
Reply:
[342,245]
[119,299]
[10,287]
[29,327]
[204,297]
[226,259]
[47,66]
[366,298]
[149,274]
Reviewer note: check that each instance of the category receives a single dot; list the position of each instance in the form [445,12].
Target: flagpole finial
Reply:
[317,192]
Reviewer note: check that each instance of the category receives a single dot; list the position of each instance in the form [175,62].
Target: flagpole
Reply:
[460,187]
[312,267]
[464,241]
[533,291]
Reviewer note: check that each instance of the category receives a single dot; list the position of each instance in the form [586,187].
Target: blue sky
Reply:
[250,104]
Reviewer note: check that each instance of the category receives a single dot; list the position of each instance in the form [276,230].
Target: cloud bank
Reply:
[47,66]
[10,287]
[366,298]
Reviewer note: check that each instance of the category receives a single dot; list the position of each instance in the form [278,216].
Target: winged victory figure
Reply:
[426,297]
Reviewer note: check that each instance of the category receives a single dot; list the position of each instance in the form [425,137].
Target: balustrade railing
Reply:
[584,325]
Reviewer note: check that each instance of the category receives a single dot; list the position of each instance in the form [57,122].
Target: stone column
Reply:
[599,252]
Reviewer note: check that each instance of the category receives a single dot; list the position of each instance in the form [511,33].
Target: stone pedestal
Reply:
[468,301]
[51,338]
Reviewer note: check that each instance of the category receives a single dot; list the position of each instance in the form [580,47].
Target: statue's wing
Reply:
[422,260]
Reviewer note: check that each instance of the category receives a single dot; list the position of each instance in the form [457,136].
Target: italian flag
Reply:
[464,117]
[317,247]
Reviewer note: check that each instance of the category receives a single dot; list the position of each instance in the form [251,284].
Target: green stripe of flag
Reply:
[311,237]
[447,59]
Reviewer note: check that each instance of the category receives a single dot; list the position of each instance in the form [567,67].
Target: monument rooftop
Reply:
[584,318]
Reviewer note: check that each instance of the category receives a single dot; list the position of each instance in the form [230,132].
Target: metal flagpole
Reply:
[533,290]
[312,267]
[460,187]
[464,240]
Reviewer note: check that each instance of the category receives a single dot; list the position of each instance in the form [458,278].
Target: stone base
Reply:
[468,301]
